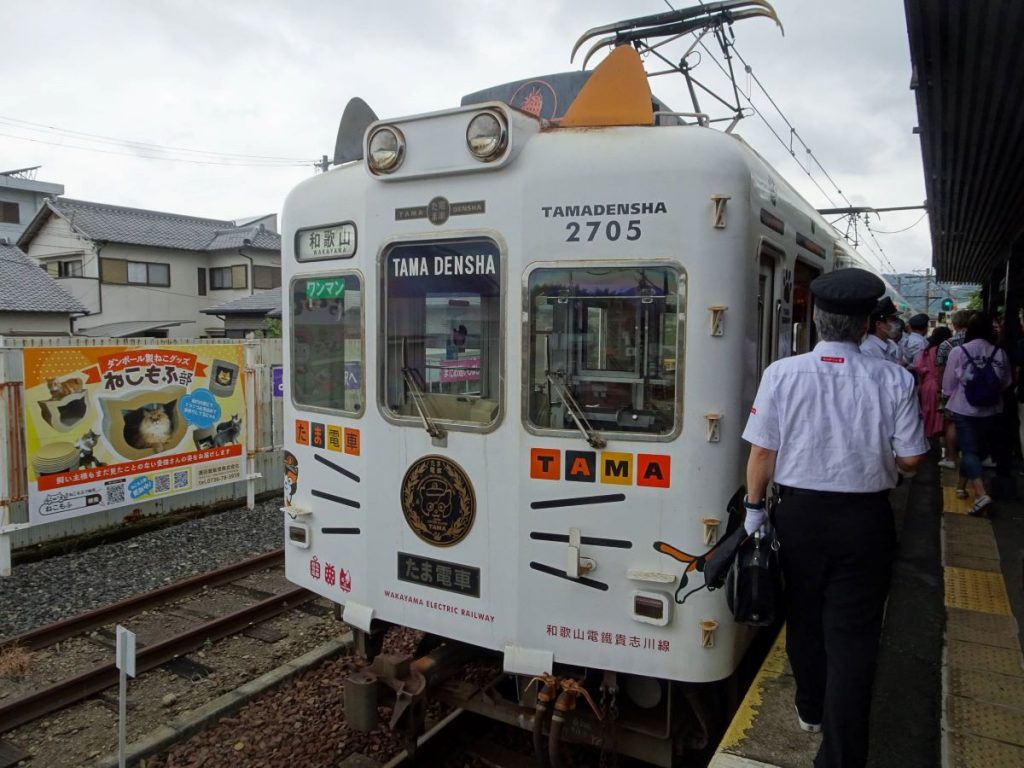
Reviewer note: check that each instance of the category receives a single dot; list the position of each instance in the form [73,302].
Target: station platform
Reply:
[949,688]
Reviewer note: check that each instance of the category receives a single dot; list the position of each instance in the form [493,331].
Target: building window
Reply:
[122,272]
[10,213]
[266,277]
[603,347]
[327,343]
[443,332]
[69,268]
[225,278]
[201,284]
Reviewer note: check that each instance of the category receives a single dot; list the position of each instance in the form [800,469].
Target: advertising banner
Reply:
[106,427]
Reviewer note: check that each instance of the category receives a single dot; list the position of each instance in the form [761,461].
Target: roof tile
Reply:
[136,226]
[24,287]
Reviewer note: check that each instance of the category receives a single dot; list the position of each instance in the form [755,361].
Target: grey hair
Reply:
[833,327]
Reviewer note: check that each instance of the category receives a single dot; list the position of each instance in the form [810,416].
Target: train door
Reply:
[805,335]
[767,308]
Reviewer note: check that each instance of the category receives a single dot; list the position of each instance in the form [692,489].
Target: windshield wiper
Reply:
[555,379]
[435,431]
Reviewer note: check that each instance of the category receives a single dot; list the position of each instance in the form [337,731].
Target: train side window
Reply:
[327,342]
[442,330]
[603,343]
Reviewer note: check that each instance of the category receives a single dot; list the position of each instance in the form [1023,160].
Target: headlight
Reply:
[486,136]
[385,149]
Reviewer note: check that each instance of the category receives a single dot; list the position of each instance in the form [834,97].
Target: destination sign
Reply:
[334,242]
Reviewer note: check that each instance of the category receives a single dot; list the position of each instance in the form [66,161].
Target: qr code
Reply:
[115,493]
[162,483]
[181,479]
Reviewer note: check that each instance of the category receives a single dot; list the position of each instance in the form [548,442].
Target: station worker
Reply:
[914,343]
[882,329]
[834,427]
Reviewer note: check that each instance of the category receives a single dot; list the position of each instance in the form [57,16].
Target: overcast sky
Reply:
[270,78]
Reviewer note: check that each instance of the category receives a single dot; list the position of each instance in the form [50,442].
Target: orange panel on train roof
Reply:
[545,463]
[653,470]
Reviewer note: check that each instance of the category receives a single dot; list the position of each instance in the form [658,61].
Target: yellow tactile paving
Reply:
[986,658]
[984,628]
[743,720]
[986,720]
[954,506]
[976,591]
[973,752]
[1004,690]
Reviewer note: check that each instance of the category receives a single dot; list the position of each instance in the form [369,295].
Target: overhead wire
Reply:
[140,155]
[70,139]
[29,125]
[882,258]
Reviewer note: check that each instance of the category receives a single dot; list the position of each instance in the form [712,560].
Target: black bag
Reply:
[754,584]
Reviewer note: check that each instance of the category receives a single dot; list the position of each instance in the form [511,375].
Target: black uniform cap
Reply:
[918,321]
[885,308]
[850,291]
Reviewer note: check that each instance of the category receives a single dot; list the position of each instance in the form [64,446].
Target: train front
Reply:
[486,431]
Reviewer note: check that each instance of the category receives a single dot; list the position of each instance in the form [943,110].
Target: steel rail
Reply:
[62,630]
[34,705]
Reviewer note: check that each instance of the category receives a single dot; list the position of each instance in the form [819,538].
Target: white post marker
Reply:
[5,555]
[125,662]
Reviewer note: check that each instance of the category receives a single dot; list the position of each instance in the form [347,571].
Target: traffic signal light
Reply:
[947,304]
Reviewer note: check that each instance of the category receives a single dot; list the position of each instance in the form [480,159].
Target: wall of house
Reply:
[29,195]
[56,242]
[180,301]
[34,324]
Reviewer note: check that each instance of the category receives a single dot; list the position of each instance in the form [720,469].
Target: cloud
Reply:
[271,78]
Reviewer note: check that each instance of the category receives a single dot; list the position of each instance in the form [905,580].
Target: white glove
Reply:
[756,516]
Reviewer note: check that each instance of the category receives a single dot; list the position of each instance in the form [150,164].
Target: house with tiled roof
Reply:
[151,273]
[248,314]
[31,302]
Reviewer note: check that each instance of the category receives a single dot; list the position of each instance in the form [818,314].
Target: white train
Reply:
[520,352]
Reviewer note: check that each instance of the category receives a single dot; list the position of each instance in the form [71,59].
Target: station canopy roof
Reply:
[969,77]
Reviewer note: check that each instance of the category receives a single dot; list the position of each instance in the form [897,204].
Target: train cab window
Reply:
[442,330]
[603,345]
[327,342]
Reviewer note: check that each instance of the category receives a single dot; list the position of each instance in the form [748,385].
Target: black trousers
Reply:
[836,551]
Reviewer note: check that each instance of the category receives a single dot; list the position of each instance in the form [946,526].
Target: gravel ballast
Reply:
[60,587]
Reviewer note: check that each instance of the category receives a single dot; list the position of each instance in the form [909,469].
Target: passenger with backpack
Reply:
[976,375]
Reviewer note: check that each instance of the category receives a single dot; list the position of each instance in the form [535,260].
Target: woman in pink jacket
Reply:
[929,383]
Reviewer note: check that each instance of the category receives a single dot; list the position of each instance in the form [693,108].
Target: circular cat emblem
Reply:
[438,210]
[438,501]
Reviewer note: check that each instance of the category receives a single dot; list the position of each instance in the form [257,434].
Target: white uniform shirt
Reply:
[836,417]
[883,349]
[912,345]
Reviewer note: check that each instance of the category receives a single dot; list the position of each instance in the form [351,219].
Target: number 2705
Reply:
[610,230]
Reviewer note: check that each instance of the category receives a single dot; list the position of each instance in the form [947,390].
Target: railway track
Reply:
[53,633]
[217,605]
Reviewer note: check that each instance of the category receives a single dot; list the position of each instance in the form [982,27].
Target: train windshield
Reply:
[604,342]
[327,342]
[442,331]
